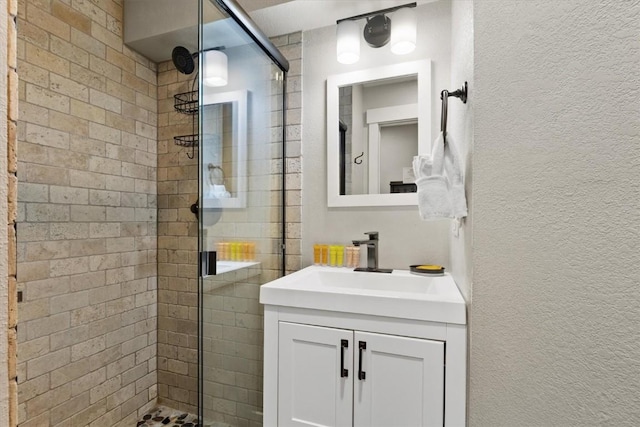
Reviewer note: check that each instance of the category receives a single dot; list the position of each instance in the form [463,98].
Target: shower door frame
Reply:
[235,12]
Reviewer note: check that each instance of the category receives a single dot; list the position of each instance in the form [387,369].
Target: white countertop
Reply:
[399,294]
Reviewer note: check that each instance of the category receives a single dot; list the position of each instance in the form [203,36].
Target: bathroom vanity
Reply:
[345,348]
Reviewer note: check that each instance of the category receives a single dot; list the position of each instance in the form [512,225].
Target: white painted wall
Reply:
[398,145]
[460,130]
[405,239]
[555,335]
[4,379]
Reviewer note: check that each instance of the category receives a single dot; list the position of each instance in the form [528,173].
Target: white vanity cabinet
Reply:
[337,377]
[360,349]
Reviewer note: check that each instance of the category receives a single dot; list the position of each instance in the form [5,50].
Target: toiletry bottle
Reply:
[339,255]
[317,254]
[246,251]
[234,251]
[325,254]
[356,256]
[350,256]
[252,251]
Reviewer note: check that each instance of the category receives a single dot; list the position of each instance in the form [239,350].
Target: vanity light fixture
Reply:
[400,28]
[215,67]
[403,32]
[377,30]
[348,44]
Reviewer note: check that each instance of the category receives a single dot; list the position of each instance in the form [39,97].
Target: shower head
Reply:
[183,60]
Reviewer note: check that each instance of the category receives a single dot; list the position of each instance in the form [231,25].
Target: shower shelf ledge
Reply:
[228,266]
[229,272]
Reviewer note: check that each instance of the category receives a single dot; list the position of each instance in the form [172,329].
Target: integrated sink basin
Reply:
[368,282]
[399,294]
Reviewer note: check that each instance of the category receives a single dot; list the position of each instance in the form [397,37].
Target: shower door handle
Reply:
[207,263]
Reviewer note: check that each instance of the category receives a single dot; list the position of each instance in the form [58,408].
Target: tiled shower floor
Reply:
[167,417]
[163,416]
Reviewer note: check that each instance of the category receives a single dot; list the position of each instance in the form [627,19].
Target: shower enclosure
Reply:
[240,209]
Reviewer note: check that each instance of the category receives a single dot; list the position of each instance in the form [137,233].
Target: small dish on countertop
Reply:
[427,270]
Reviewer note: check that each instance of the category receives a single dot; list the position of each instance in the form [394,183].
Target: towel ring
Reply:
[444,96]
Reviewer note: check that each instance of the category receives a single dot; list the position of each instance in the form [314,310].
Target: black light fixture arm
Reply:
[197,53]
[377,12]
[209,49]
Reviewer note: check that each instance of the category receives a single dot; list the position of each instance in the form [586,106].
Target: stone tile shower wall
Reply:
[12,207]
[177,248]
[233,315]
[291,47]
[87,217]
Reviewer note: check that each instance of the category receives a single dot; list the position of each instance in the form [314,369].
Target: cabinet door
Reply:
[402,381]
[313,387]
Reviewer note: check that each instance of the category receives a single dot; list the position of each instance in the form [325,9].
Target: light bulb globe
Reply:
[215,68]
[348,42]
[403,31]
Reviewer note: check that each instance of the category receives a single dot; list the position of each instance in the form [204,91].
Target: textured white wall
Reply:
[460,128]
[555,336]
[405,239]
[4,379]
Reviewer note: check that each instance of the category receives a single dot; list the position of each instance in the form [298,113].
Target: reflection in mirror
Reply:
[377,120]
[398,146]
[223,150]
[217,146]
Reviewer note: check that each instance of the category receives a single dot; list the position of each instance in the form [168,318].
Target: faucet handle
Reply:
[373,235]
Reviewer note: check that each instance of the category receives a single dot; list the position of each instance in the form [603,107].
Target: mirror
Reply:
[377,120]
[224,150]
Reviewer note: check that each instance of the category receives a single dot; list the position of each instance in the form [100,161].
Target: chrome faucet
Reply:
[372,253]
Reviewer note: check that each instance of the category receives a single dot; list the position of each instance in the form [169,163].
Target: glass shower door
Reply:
[240,216]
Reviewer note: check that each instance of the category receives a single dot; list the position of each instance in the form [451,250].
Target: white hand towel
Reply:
[440,182]
[422,166]
[453,171]
[434,198]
